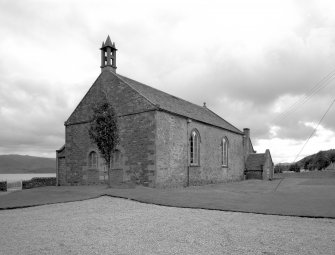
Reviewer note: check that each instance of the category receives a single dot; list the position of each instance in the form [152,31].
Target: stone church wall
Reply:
[137,144]
[154,144]
[77,146]
[172,153]
[137,133]
[124,99]
[171,147]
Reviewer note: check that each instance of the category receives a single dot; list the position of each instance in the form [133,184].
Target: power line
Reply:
[324,115]
[320,85]
[325,81]
[303,102]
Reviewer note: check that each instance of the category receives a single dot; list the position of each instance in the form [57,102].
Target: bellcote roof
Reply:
[108,43]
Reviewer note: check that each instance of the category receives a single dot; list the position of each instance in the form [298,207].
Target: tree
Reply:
[104,131]
[278,169]
[321,160]
[294,167]
[332,156]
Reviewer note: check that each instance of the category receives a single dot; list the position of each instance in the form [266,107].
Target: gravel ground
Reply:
[116,226]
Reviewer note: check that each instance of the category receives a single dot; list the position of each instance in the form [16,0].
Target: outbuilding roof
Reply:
[255,161]
[172,104]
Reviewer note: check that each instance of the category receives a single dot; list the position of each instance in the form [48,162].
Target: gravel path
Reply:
[116,226]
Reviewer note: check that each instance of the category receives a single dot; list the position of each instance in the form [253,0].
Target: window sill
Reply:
[224,166]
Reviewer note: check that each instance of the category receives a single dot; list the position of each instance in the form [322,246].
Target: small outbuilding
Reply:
[259,166]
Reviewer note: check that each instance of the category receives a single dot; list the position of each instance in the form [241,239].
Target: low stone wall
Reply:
[39,182]
[3,186]
[254,174]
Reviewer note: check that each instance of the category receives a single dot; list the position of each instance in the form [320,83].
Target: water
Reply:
[23,177]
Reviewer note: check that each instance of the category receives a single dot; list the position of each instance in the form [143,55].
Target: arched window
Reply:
[194,148]
[224,151]
[93,159]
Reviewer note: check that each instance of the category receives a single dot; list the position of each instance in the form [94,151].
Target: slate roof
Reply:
[255,161]
[179,106]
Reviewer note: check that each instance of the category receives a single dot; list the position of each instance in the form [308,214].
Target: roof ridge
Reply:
[222,118]
[163,92]
[121,78]
[152,95]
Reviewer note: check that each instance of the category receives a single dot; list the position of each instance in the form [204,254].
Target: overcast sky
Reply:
[248,60]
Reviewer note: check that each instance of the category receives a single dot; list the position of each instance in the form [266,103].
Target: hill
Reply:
[317,161]
[12,164]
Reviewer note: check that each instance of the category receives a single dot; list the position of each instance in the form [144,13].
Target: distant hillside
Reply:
[11,164]
[317,161]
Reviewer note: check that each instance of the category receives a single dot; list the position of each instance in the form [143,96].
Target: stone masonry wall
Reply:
[61,171]
[172,153]
[136,130]
[39,182]
[268,167]
[137,144]
[171,149]
[124,99]
[78,145]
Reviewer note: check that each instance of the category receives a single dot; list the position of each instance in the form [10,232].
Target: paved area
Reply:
[117,226]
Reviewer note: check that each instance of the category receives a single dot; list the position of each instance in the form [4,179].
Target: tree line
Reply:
[318,161]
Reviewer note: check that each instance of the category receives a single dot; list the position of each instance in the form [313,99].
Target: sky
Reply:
[264,65]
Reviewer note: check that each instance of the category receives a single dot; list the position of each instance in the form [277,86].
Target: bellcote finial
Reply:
[108,42]
[108,55]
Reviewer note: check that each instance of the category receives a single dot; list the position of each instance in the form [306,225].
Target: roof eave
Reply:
[207,123]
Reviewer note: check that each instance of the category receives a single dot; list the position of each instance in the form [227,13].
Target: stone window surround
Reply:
[90,161]
[224,151]
[194,138]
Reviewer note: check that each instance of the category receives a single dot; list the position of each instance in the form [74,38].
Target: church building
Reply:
[165,141]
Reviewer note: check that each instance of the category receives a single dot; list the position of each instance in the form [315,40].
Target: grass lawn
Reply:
[309,194]
[308,175]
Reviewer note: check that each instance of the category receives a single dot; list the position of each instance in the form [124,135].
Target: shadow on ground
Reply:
[306,195]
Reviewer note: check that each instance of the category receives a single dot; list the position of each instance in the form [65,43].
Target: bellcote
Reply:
[108,56]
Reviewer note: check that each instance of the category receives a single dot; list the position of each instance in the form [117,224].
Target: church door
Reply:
[116,174]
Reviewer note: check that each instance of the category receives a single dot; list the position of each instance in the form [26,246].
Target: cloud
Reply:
[31,112]
[249,61]
[288,150]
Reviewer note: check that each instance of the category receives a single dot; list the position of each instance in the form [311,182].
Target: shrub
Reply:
[39,182]
[3,186]
[295,168]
